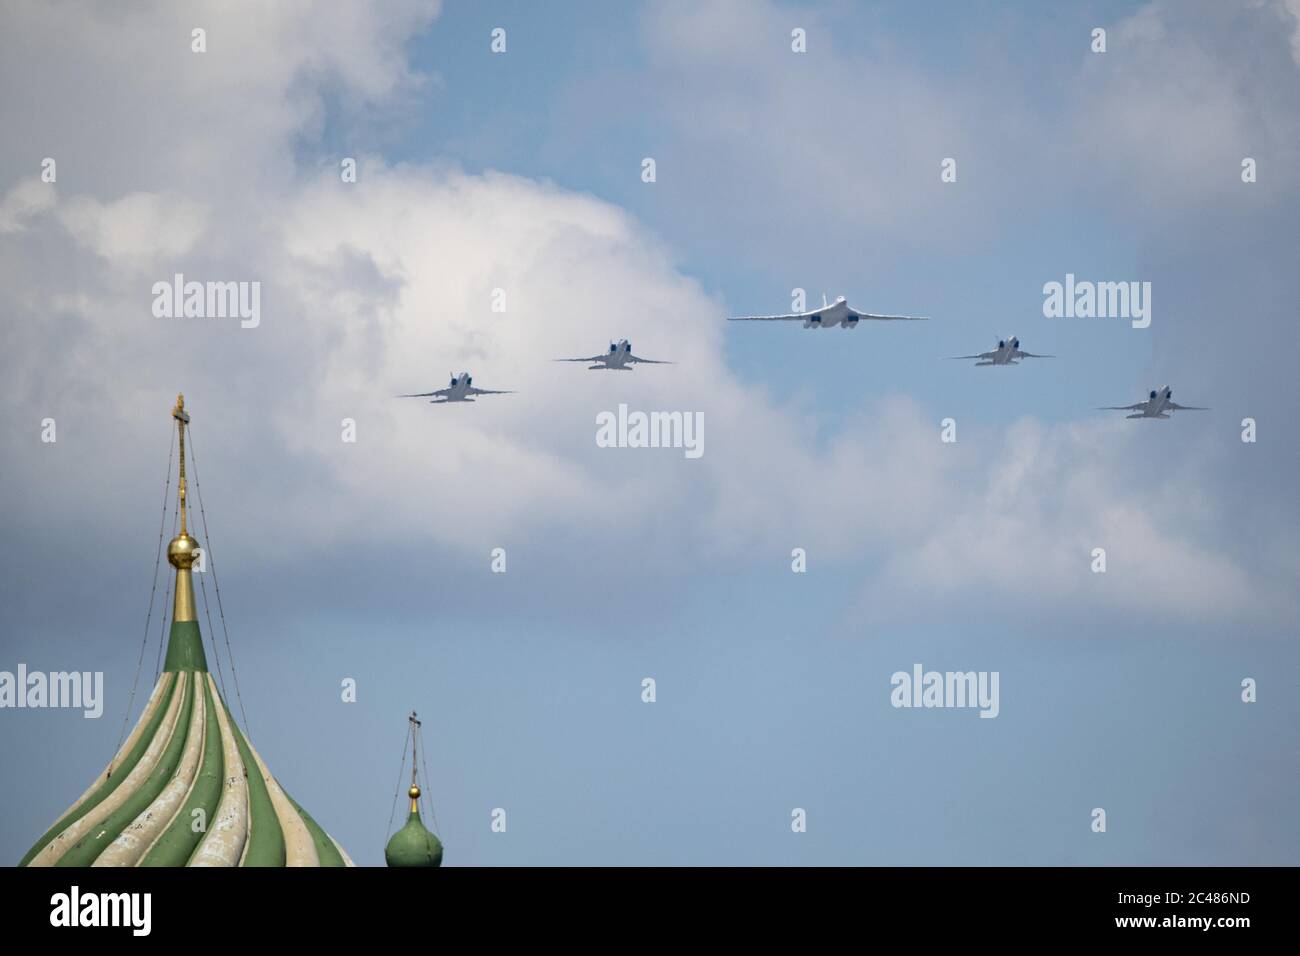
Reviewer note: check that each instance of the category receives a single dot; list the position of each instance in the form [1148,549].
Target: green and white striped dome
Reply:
[186,788]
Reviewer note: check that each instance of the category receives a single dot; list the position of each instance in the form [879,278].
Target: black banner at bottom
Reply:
[338,906]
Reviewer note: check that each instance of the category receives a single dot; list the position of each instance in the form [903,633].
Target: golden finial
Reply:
[182,419]
[414,792]
[182,551]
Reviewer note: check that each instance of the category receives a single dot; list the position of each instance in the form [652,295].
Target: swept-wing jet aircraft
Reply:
[1158,404]
[461,389]
[1008,352]
[619,358]
[828,316]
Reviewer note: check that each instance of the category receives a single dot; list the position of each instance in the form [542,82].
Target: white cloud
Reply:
[383,287]
[1292,8]
[848,136]
[27,199]
[1025,529]
[138,230]
[1184,93]
[131,107]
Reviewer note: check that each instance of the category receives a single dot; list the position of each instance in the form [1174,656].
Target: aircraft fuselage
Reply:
[829,316]
[618,354]
[1006,353]
[458,390]
[1157,403]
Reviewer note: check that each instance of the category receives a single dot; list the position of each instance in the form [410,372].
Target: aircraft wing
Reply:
[594,358]
[1020,354]
[633,358]
[441,391]
[792,317]
[888,318]
[982,355]
[1123,408]
[487,391]
[1185,408]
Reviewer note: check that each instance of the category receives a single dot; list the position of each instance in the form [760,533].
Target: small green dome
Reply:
[413,845]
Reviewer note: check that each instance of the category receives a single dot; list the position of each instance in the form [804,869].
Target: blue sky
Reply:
[775,170]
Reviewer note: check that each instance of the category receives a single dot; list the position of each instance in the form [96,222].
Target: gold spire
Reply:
[181,552]
[182,419]
[414,792]
[413,844]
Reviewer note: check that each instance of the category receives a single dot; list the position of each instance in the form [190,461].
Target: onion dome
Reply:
[413,844]
[187,788]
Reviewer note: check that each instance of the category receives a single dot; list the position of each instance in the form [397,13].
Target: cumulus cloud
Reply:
[24,201]
[132,108]
[135,230]
[847,137]
[1182,95]
[1293,10]
[1027,527]
[384,286]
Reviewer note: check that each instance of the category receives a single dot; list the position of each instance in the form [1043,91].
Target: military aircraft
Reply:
[619,358]
[828,316]
[461,389]
[1158,403]
[1007,353]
